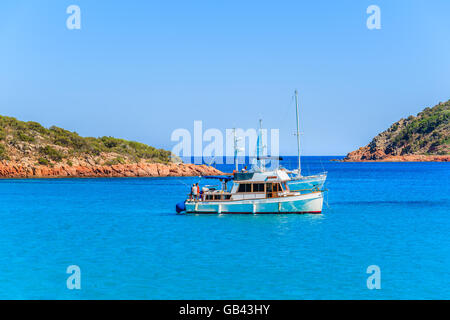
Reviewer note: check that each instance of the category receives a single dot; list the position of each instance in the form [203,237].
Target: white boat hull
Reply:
[305,203]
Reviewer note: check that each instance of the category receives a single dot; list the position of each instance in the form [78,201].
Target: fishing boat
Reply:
[299,182]
[253,193]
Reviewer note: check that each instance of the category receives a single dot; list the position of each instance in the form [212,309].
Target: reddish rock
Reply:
[356,156]
[12,170]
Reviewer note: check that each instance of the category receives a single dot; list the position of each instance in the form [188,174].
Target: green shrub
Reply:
[37,127]
[51,153]
[110,142]
[2,134]
[117,160]
[67,138]
[395,127]
[24,137]
[43,161]
[3,152]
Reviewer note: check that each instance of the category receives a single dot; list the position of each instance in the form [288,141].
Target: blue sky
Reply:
[140,69]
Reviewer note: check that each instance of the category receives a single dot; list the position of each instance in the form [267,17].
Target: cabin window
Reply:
[277,187]
[209,197]
[272,189]
[227,196]
[245,187]
[217,197]
[258,187]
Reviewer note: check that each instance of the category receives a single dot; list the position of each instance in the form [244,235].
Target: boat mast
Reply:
[235,150]
[260,149]
[298,134]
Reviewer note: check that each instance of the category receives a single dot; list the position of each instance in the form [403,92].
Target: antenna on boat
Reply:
[298,133]
[236,149]
[260,149]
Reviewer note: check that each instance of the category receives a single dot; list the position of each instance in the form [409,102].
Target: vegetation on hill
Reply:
[33,142]
[428,133]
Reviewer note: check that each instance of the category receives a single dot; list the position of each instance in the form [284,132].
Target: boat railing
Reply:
[315,189]
[211,196]
[294,172]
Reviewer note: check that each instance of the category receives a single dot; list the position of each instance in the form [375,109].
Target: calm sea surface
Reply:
[129,243]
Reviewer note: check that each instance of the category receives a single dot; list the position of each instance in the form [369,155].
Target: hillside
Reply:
[27,149]
[425,137]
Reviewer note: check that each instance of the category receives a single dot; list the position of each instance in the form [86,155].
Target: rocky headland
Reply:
[421,138]
[28,150]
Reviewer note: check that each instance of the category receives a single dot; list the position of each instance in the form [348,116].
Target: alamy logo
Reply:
[74,20]
[211,146]
[374,20]
[74,280]
[374,281]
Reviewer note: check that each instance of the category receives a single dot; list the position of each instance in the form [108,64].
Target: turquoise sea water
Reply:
[129,243]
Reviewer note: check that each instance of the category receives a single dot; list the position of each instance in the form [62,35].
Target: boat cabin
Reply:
[249,185]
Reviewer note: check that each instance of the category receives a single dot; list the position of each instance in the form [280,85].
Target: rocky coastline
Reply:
[10,169]
[365,156]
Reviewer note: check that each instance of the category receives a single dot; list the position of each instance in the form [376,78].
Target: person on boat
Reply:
[193,191]
[244,169]
[203,193]
[198,190]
